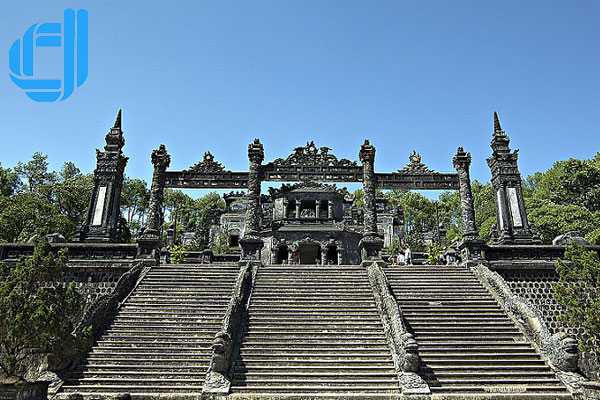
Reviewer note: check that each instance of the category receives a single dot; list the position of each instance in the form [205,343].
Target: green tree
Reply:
[578,290]
[36,175]
[220,244]
[36,317]
[9,181]
[27,215]
[202,214]
[565,198]
[135,199]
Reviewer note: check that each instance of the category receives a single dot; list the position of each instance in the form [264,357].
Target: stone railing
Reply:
[227,340]
[403,346]
[112,254]
[559,349]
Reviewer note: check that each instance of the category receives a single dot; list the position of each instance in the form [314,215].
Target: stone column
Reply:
[462,162]
[149,241]
[101,223]
[371,242]
[161,161]
[330,209]
[251,244]
[317,208]
[298,203]
[339,256]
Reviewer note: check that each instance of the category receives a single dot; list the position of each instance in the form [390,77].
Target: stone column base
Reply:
[149,247]
[370,248]
[472,251]
[251,248]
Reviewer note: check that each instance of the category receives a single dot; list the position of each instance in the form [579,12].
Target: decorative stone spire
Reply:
[512,225]
[497,128]
[117,124]
[102,219]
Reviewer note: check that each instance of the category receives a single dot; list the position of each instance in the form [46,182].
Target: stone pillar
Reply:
[330,209]
[339,256]
[101,223]
[317,208]
[298,204]
[371,242]
[462,162]
[252,244]
[149,241]
[512,224]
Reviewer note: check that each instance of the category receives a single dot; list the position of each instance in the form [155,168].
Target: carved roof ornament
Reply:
[500,141]
[416,166]
[208,164]
[311,155]
[307,186]
[114,137]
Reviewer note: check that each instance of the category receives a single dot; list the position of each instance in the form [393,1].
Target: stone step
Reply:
[492,391]
[349,381]
[155,342]
[137,391]
[365,390]
[302,349]
[166,352]
[434,361]
[297,318]
[316,341]
[471,355]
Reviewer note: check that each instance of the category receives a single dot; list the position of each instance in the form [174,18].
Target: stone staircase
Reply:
[160,342]
[469,346]
[314,331]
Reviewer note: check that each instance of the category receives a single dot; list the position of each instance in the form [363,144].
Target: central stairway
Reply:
[160,342]
[467,343]
[314,331]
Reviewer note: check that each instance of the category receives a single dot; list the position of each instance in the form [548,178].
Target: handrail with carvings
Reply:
[227,340]
[403,346]
[559,349]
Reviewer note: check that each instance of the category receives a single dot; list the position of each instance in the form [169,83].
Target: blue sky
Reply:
[407,75]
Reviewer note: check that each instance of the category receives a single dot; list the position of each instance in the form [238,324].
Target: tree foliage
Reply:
[36,315]
[566,198]
[578,290]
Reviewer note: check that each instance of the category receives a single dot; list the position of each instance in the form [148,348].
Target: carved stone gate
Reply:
[306,164]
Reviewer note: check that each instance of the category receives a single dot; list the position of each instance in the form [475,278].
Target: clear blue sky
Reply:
[407,75]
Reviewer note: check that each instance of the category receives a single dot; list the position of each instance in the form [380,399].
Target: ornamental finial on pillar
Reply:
[497,128]
[367,152]
[462,159]
[256,152]
[117,124]
[160,158]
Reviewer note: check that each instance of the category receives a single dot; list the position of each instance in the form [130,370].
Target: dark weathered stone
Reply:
[24,391]
[512,224]
[101,222]
[559,349]
[462,162]
[227,340]
[371,243]
[251,243]
[149,240]
[402,344]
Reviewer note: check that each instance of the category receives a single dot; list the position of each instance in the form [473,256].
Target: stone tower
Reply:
[102,219]
[512,226]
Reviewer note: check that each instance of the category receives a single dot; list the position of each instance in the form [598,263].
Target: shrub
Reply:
[37,312]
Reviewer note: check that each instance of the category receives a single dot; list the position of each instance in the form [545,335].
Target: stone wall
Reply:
[534,283]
